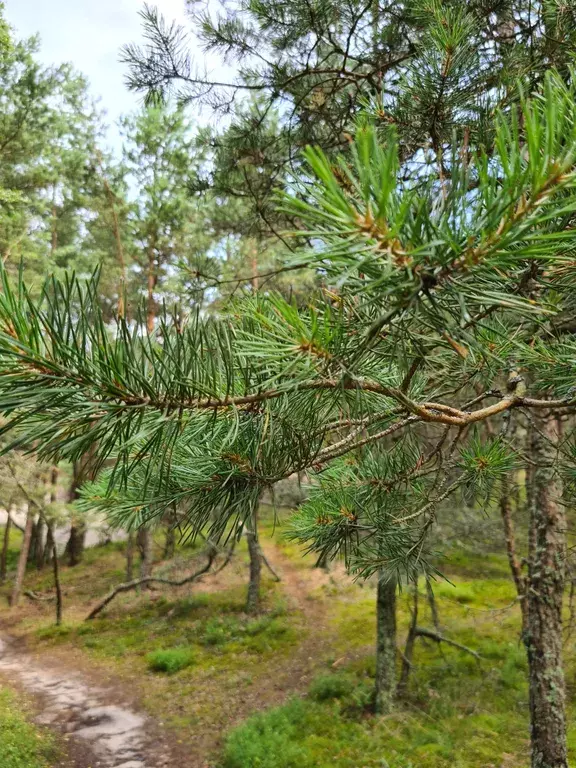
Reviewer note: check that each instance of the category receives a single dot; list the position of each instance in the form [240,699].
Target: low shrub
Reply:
[170,660]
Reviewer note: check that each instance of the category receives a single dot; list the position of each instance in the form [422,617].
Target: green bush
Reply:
[273,739]
[332,686]
[170,660]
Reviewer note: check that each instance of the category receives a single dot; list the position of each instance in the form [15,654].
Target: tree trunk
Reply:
[32,547]
[39,553]
[253,597]
[543,622]
[22,560]
[5,546]
[75,545]
[49,546]
[144,539]
[152,282]
[130,557]
[56,569]
[169,543]
[385,644]
[409,647]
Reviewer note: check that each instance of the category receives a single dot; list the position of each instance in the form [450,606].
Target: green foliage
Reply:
[170,660]
[273,740]
[22,745]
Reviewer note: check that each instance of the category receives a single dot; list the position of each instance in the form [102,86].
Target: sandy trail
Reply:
[115,736]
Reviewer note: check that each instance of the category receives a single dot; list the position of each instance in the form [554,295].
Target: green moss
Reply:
[22,745]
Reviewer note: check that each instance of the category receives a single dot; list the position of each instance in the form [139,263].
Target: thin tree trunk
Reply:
[5,545]
[32,547]
[385,644]
[130,557]
[152,281]
[111,198]
[50,540]
[144,539]
[49,547]
[543,623]
[56,569]
[253,597]
[22,560]
[169,543]
[76,540]
[432,604]
[40,543]
[410,640]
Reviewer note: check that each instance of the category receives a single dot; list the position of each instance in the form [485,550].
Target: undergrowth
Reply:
[22,745]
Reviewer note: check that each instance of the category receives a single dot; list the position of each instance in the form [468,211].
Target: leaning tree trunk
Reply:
[385,644]
[22,560]
[545,589]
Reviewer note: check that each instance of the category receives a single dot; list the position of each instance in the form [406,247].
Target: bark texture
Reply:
[253,597]
[543,604]
[385,644]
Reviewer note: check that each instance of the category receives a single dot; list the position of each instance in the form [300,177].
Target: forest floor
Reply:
[211,687]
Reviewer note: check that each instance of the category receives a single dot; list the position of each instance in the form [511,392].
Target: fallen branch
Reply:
[130,585]
[438,638]
[41,598]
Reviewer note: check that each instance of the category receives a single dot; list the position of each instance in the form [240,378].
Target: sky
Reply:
[90,33]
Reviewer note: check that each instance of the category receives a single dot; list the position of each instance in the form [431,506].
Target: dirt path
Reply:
[104,733]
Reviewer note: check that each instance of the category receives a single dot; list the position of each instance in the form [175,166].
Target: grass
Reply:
[22,745]
[460,713]
[200,664]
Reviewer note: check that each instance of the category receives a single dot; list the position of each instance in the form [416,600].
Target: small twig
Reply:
[40,598]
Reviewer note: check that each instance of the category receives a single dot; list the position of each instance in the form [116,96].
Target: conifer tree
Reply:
[435,299]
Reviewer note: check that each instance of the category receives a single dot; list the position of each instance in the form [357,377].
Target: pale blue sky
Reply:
[89,33]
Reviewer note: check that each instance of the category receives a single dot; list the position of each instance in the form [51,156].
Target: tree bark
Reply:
[40,543]
[76,540]
[22,560]
[253,597]
[385,644]
[409,647]
[56,570]
[49,546]
[32,547]
[5,545]
[130,557]
[543,622]
[169,542]
[75,545]
[144,539]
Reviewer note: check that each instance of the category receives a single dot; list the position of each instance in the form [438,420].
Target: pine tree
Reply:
[435,298]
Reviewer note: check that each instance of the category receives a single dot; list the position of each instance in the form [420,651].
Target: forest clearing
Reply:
[301,674]
[287,384]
